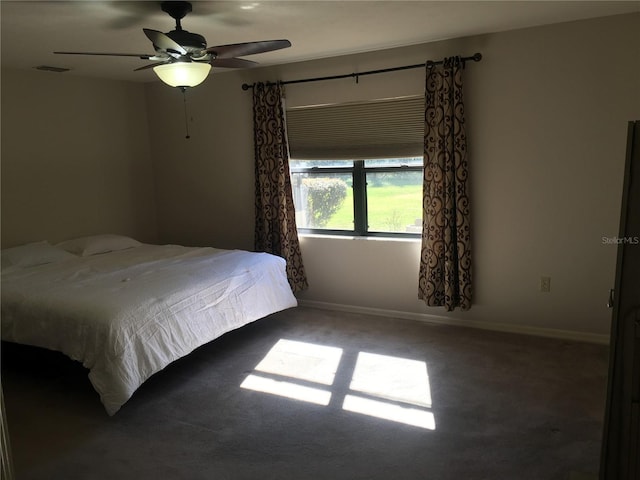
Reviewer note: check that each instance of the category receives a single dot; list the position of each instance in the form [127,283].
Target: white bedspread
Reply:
[126,315]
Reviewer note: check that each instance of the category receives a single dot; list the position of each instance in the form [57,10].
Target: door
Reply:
[620,458]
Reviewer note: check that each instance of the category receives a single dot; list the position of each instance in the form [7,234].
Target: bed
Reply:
[126,309]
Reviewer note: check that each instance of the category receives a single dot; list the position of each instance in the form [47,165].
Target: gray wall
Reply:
[75,158]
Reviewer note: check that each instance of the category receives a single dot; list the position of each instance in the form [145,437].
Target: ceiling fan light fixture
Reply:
[183,74]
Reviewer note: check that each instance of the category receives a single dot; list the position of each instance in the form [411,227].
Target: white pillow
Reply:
[32,254]
[94,244]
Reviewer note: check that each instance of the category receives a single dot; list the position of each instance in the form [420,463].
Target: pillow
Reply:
[94,244]
[33,254]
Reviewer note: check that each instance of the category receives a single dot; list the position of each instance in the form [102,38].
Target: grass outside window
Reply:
[372,197]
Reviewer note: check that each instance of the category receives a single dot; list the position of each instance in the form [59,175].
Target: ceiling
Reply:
[31,31]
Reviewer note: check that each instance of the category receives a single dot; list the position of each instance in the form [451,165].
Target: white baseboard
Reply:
[440,320]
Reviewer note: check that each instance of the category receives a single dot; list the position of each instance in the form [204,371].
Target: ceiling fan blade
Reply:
[151,65]
[163,42]
[248,48]
[232,63]
[142,56]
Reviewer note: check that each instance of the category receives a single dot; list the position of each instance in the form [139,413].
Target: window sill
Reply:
[360,237]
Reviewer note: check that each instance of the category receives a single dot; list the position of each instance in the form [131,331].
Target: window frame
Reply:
[358,172]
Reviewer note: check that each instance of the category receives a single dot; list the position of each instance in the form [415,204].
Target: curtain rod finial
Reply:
[477,57]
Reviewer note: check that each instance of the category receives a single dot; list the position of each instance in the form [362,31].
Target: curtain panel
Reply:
[275,225]
[445,261]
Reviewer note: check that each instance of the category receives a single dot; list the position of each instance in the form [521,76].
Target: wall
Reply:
[546,108]
[205,184]
[75,158]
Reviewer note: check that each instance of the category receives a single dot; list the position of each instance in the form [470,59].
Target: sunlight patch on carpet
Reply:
[305,361]
[387,387]
[399,387]
[287,389]
[288,361]
[392,378]
[390,411]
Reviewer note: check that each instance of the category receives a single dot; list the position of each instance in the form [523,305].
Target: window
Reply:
[358,197]
[356,168]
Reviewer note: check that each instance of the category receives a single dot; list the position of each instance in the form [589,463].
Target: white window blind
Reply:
[354,131]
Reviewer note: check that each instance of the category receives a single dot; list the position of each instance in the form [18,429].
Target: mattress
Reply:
[128,314]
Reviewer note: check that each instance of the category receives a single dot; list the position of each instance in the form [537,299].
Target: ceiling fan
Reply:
[182,58]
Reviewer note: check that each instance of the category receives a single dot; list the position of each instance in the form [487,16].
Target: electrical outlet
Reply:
[545,284]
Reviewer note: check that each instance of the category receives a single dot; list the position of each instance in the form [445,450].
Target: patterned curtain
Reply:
[275,230]
[445,262]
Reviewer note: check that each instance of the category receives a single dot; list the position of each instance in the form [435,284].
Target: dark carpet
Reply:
[497,406]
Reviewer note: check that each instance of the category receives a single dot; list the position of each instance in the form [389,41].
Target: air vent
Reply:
[48,68]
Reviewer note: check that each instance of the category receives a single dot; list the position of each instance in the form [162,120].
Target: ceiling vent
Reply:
[48,68]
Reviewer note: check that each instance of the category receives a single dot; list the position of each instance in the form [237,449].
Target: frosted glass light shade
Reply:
[183,74]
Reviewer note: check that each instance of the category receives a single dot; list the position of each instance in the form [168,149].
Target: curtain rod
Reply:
[476,58]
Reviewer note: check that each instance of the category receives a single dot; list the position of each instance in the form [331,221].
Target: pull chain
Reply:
[186,121]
